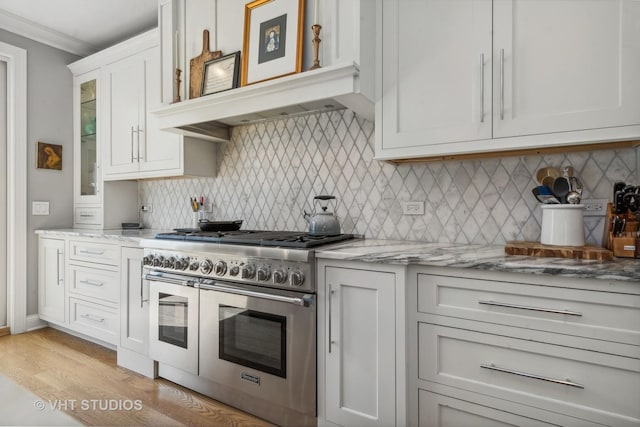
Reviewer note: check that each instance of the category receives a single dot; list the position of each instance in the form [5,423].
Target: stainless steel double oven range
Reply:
[233,316]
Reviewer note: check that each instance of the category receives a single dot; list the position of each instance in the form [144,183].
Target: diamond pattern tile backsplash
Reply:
[269,173]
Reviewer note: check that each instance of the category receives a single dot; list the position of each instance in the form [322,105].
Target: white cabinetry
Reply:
[133,349]
[509,347]
[360,344]
[505,75]
[51,283]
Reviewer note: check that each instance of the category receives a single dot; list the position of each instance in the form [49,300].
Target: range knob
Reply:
[158,261]
[220,268]
[248,271]
[264,273]
[279,276]
[296,278]
[182,264]
[169,262]
[206,266]
[194,265]
[234,270]
[148,260]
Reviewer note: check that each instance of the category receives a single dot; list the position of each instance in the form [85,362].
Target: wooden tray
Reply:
[197,66]
[539,250]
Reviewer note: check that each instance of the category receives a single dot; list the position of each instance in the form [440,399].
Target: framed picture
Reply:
[221,74]
[49,156]
[273,33]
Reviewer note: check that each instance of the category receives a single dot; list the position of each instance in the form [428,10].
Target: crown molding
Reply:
[34,31]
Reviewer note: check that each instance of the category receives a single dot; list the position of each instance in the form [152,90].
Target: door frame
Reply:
[16,60]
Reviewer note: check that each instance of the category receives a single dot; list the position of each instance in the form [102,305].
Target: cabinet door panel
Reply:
[122,112]
[567,65]
[159,150]
[51,288]
[134,311]
[359,366]
[431,78]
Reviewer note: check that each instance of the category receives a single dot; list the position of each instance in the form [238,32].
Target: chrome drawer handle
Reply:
[86,215]
[482,88]
[527,307]
[91,282]
[501,84]
[535,377]
[93,318]
[90,252]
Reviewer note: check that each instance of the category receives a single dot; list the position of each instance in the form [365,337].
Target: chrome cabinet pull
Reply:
[60,277]
[331,292]
[501,84]
[528,307]
[86,215]
[142,300]
[533,376]
[90,252]
[93,318]
[139,130]
[482,88]
[91,282]
[132,158]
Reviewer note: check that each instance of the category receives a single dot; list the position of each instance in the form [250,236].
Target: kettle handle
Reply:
[324,197]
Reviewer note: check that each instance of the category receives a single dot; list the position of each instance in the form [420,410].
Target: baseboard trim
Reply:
[35,322]
[5,331]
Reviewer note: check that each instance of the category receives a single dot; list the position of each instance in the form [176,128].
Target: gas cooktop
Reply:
[285,239]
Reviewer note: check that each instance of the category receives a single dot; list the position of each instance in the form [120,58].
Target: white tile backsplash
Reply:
[269,172]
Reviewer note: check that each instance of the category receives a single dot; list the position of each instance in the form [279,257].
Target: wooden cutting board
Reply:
[540,250]
[197,66]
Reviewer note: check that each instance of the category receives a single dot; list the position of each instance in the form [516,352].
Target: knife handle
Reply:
[618,201]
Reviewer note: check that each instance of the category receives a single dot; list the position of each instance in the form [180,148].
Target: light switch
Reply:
[40,208]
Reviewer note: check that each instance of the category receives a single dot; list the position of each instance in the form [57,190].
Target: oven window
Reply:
[173,313]
[253,339]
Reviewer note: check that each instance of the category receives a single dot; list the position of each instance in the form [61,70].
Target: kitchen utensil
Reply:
[206,225]
[544,195]
[197,66]
[618,203]
[573,198]
[618,186]
[545,176]
[561,188]
[323,223]
[567,171]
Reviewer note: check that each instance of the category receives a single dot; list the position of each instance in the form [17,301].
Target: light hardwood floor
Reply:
[59,367]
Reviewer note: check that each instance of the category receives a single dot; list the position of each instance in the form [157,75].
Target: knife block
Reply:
[627,243]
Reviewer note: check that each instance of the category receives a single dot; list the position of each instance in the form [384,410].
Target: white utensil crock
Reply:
[562,225]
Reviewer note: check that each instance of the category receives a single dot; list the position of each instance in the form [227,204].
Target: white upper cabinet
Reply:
[469,76]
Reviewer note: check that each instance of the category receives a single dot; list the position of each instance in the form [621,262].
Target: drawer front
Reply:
[96,283]
[103,253]
[439,410]
[94,320]
[546,376]
[591,314]
[87,216]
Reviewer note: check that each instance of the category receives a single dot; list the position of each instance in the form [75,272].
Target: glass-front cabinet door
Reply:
[86,136]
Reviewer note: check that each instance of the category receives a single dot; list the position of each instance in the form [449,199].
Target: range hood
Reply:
[211,117]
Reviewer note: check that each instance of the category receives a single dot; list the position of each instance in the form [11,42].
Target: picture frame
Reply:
[49,156]
[221,74]
[273,36]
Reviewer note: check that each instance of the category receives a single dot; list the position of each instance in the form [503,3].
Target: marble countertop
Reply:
[481,257]
[119,235]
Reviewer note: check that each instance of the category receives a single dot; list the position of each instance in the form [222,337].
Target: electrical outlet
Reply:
[146,208]
[40,208]
[413,208]
[595,207]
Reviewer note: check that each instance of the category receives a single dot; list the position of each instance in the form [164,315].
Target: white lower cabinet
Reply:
[51,286]
[510,349]
[360,344]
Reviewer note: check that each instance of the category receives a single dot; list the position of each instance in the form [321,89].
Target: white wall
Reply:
[3,193]
[49,119]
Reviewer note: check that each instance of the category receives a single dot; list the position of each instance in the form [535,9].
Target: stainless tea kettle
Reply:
[323,223]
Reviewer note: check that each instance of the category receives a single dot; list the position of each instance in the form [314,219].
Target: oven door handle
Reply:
[303,301]
[174,280]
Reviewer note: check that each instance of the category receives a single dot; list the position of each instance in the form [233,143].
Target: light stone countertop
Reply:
[117,235]
[481,257]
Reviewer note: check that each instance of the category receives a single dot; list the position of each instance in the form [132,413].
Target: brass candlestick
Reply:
[176,98]
[316,45]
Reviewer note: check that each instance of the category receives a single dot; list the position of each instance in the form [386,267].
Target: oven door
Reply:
[260,342]
[173,310]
